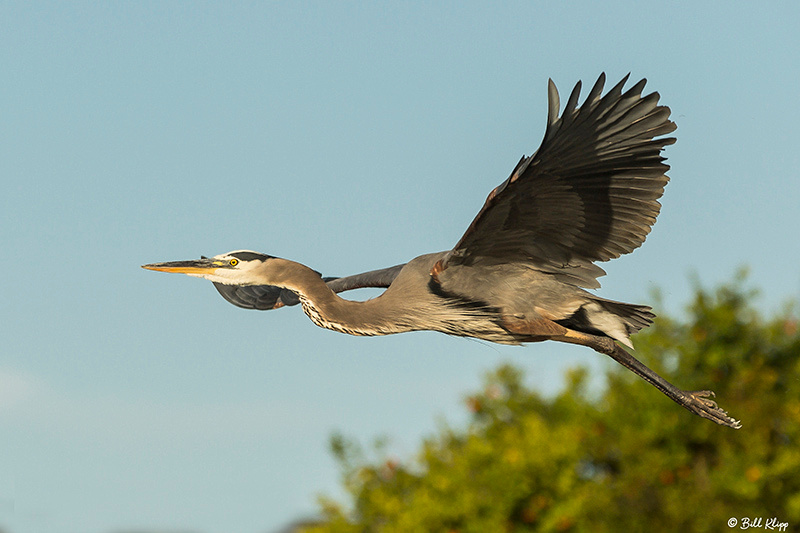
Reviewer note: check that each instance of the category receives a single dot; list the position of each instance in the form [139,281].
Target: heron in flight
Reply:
[519,273]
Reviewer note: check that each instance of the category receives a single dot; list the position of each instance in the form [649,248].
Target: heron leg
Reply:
[698,402]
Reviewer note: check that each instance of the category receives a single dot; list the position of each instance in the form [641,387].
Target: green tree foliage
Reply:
[628,459]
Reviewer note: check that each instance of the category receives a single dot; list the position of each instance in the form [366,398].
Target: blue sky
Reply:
[347,136]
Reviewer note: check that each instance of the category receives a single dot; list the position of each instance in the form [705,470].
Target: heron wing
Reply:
[381,278]
[589,193]
[261,297]
[264,297]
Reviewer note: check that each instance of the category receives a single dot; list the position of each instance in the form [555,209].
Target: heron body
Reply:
[480,300]
[519,273]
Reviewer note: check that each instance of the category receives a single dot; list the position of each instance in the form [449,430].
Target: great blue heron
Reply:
[589,193]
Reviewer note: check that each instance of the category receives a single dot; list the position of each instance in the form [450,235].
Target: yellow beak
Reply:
[199,266]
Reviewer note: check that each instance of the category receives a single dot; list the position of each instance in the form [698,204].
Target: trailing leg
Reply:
[698,402]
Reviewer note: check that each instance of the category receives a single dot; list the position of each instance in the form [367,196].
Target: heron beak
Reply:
[197,266]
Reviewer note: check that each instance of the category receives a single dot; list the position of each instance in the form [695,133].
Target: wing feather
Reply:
[589,193]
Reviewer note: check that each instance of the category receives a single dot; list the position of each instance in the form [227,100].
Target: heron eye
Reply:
[234,262]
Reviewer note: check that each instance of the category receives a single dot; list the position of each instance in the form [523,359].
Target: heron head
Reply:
[233,268]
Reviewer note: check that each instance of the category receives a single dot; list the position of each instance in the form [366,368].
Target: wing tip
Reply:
[553,102]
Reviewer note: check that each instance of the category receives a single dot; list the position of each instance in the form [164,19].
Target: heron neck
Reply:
[326,309]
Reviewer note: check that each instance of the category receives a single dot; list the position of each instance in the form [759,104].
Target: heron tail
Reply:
[617,320]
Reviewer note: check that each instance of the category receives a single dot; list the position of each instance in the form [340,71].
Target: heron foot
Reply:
[701,404]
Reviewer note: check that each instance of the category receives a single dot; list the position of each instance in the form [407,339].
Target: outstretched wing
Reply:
[589,193]
[264,297]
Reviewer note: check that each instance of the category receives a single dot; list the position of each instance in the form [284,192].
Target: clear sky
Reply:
[347,136]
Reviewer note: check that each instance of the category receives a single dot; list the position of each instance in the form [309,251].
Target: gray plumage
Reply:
[519,273]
